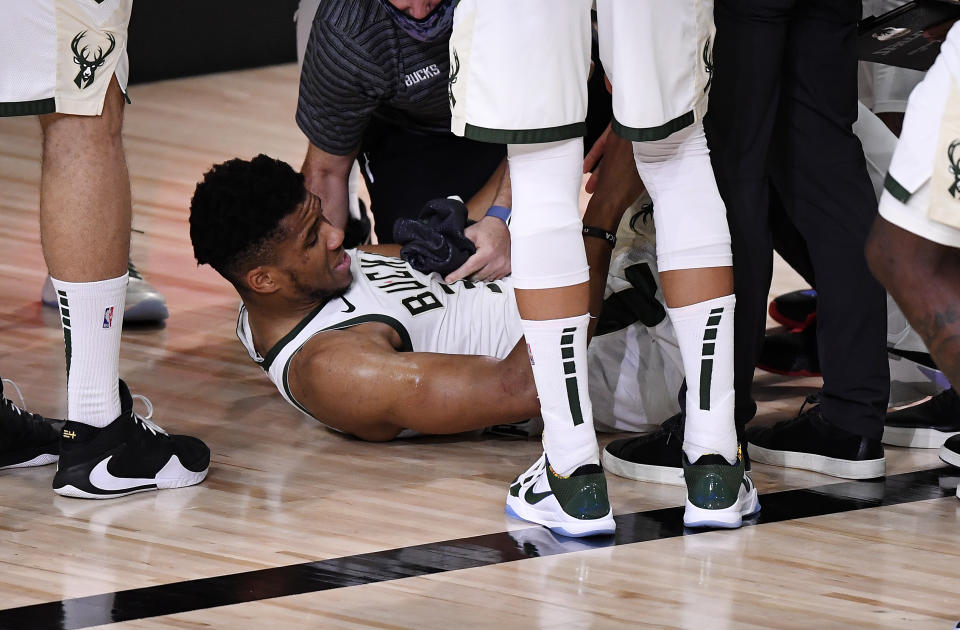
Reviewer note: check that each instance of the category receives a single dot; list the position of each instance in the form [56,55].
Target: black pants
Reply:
[782,107]
[405,169]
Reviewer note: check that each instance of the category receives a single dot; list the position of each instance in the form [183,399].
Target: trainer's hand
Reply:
[492,260]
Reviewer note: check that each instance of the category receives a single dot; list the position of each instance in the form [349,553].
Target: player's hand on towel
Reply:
[492,260]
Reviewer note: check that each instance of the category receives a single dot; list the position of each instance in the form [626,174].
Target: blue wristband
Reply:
[501,212]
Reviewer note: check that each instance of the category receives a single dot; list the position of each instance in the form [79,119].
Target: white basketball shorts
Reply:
[922,188]
[60,55]
[518,70]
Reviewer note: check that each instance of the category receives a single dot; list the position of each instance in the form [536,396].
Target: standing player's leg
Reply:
[660,83]
[914,247]
[537,106]
[79,57]
[85,233]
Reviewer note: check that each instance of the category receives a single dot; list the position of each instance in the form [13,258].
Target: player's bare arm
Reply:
[356,380]
[326,176]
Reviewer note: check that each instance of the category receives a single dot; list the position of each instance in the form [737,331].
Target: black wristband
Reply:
[595,232]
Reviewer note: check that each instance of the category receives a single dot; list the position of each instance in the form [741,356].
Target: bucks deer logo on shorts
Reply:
[954,189]
[708,63]
[455,70]
[88,65]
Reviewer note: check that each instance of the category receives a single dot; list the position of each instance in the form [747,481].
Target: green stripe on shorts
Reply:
[28,108]
[648,134]
[525,136]
[896,189]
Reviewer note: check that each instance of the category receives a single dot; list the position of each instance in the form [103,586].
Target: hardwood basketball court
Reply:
[298,527]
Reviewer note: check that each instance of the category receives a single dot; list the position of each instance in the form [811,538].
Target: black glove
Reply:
[435,242]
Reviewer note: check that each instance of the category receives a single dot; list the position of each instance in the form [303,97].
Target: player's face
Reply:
[417,9]
[312,254]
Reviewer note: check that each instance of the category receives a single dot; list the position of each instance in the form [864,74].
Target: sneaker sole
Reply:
[951,458]
[845,468]
[181,478]
[40,460]
[570,526]
[162,484]
[642,472]
[912,437]
[729,518]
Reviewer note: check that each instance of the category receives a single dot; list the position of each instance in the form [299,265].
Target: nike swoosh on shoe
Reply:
[102,479]
[533,498]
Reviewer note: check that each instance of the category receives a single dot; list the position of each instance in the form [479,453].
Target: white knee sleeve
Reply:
[688,212]
[545,229]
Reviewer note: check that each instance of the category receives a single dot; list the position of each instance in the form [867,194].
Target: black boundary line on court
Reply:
[450,555]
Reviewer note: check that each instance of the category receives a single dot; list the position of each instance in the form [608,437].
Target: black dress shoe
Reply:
[926,425]
[655,457]
[810,442]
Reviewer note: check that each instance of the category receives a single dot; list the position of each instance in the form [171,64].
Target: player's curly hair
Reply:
[235,213]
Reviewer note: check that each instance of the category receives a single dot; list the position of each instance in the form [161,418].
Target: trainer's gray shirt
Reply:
[360,65]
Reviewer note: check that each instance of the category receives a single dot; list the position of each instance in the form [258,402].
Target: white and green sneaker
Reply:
[719,494]
[576,505]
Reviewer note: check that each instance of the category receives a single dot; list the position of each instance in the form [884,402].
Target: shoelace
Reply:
[813,399]
[145,420]
[22,424]
[9,403]
[804,414]
[674,428]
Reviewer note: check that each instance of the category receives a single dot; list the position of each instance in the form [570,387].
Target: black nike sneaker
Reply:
[926,425]
[129,455]
[26,439]
[811,442]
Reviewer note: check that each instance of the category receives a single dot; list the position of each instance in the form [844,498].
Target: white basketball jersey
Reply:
[475,318]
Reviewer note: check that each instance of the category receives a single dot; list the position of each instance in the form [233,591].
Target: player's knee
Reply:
[689,214]
[688,142]
[546,233]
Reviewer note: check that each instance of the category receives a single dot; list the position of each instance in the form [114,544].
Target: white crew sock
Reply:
[558,355]
[705,336]
[92,318]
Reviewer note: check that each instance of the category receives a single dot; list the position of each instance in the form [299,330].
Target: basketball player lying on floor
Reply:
[367,345]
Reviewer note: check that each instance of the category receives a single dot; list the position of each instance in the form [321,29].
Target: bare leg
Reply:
[924,279]
[85,231]
[558,303]
[683,287]
[85,194]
